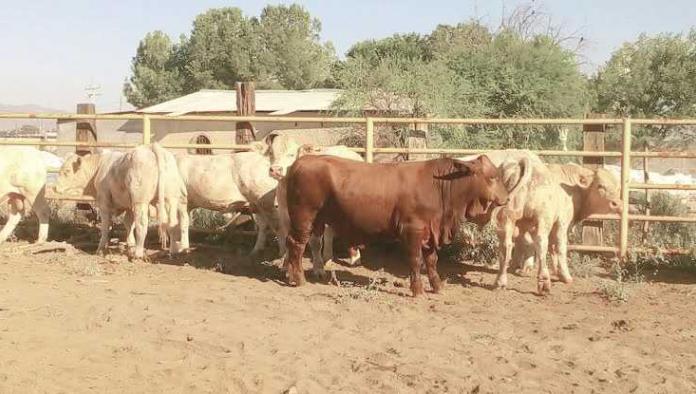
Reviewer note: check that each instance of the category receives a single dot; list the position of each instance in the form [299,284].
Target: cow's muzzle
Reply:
[276,172]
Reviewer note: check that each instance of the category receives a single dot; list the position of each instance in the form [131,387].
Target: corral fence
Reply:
[625,154]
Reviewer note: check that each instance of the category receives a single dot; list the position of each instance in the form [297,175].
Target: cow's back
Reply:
[209,180]
[359,198]
[21,168]
[128,178]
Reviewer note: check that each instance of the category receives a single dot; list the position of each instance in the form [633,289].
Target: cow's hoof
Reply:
[417,289]
[437,285]
[319,273]
[501,283]
[566,279]
[544,287]
[296,279]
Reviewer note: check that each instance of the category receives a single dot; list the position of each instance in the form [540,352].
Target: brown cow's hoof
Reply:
[437,285]
[296,279]
[417,289]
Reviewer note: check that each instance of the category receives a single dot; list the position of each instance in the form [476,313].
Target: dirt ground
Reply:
[215,321]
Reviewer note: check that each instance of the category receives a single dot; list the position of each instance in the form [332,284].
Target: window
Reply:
[202,139]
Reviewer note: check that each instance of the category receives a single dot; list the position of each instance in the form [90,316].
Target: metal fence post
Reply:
[147,136]
[625,181]
[369,139]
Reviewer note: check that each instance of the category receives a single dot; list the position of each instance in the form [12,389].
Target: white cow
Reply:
[226,183]
[285,151]
[23,185]
[545,201]
[129,182]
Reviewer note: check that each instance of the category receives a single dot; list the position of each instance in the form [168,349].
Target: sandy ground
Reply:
[216,322]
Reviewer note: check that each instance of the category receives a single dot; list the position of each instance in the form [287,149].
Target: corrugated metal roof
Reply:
[278,101]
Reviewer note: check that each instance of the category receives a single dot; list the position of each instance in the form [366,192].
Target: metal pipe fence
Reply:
[626,154]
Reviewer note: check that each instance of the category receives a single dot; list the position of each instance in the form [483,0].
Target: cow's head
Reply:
[282,152]
[484,189]
[600,190]
[76,174]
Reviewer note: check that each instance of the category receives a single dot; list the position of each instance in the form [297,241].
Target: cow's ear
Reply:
[77,164]
[584,181]
[307,149]
[468,167]
[258,147]
[269,139]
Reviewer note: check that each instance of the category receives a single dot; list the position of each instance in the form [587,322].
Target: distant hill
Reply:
[10,124]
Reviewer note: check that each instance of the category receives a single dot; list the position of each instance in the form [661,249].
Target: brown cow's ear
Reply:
[468,167]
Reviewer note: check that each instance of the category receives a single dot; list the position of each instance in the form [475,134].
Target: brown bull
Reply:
[419,203]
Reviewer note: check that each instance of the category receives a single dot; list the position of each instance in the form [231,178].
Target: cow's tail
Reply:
[160,154]
[525,165]
[519,176]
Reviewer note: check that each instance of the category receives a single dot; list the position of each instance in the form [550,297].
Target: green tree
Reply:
[280,49]
[155,72]
[468,70]
[651,77]
[223,48]
[292,54]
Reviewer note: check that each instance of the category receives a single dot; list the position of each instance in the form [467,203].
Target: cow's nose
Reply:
[615,206]
[276,172]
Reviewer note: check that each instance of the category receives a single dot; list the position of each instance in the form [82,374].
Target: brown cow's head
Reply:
[484,190]
[76,174]
[282,152]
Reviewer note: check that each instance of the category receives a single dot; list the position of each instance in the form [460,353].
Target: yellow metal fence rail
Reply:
[625,154]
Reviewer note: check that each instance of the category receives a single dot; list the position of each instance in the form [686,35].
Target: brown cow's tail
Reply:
[160,154]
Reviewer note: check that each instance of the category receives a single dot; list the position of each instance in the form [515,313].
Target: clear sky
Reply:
[51,50]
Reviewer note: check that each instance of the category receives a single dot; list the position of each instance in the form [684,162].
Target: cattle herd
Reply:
[306,194]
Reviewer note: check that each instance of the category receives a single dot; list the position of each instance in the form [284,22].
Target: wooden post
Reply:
[147,131]
[417,138]
[85,129]
[369,140]
[625,180]
[593,140]
[246,106]
[648,199]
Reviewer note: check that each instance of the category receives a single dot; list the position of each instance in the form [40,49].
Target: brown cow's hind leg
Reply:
[430,256]
[412,244]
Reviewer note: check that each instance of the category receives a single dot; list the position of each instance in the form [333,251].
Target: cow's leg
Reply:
[184,222]
[261,235]
[354,256]
[129,223]
[541,247]
[328,240]
[173,228]
[43,212]
[430,257]
[317,258]
[561,238]
[412,241]
[140,214]
[105,226]
[505,253]
[300,232]
[13,217]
